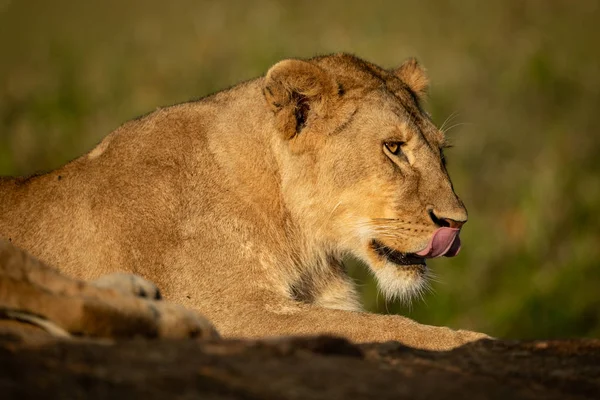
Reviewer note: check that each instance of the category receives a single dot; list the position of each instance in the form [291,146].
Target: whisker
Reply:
[325,220]
[448,120]
[455,125]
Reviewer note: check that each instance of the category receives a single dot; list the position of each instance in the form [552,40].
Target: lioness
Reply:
[242,204]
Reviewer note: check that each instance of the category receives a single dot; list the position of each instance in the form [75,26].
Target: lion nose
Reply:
[442,221]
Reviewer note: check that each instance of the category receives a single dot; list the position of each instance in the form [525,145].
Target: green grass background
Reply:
[520,78]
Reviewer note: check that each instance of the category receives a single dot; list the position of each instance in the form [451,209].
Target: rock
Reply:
[295,368]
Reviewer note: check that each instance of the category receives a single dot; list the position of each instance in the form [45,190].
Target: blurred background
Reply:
[519,81]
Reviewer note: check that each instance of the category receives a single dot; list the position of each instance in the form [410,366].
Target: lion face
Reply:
[369,175]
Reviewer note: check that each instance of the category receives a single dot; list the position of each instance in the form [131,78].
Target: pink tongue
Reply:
[444,242]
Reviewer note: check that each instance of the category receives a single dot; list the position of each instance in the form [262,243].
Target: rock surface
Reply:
[295,368]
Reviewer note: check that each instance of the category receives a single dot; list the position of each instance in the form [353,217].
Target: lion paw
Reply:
[176,322]
[172,320]
[114,306]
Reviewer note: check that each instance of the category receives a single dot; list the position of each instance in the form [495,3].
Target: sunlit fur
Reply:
[243,204]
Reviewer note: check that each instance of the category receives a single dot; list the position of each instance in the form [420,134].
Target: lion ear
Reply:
[413,74]
[294,90]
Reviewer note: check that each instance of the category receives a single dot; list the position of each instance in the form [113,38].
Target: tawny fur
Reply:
[242,205]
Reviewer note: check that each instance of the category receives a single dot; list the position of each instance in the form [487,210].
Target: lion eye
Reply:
[393,147]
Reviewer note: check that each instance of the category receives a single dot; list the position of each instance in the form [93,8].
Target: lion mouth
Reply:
[396,256]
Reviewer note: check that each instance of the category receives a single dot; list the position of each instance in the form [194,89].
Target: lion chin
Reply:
[400,276]
[402,283]
[403,274]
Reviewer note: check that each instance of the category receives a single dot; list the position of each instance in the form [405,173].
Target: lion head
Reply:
[363,164]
